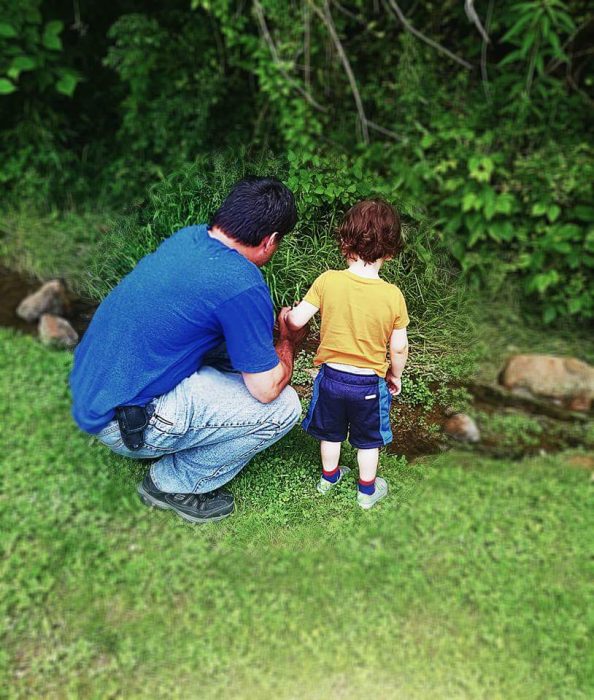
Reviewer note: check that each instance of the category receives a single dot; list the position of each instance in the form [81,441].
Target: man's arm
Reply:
[266,386]
[398,357]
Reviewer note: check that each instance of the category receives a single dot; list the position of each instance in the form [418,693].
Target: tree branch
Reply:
[484,73]
[259,12]
[326,18]
[474,18]
[307,46]
[442,49]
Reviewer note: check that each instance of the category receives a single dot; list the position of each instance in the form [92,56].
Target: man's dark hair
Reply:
[255,208]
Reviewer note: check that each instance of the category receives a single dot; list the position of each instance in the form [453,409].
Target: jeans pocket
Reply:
[171,414]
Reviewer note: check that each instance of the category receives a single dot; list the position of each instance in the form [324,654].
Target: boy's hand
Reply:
[394,384]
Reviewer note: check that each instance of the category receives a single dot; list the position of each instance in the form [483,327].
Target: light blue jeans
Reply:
[206,430]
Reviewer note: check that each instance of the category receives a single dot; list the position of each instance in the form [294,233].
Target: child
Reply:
[361,315]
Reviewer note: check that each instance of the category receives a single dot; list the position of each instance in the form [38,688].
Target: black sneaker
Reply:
[195,507]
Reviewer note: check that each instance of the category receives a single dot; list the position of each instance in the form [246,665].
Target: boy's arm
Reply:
[299,316]
[398,357]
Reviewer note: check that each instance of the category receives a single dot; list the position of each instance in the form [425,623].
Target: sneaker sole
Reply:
[151,502]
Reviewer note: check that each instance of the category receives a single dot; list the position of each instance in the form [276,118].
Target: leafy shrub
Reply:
[170,70]
[324,188]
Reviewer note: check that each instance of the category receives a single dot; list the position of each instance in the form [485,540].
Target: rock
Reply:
[462,427]
[57,332]
[50,298]
[563,380]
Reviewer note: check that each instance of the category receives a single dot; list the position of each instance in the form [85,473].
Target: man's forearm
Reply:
[285,349]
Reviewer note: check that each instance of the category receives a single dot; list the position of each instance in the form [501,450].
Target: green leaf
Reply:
[6,87]
[583,212]
[24,63]
[7,31]
[539,208]
[511,58]
[553,212]
[470,201]
[67,84]
[427,140]
[20,64]
[574,305]
[550,314]
[505,203]
[51,35]
[517,27]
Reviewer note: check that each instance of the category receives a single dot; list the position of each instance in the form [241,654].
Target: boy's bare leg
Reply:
[330,452]
[367,460]
[331,473]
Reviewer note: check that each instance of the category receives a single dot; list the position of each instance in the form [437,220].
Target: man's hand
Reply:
[296,337]
[394,383]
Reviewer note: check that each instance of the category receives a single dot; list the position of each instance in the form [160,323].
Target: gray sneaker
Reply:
[324,485]
[381,490]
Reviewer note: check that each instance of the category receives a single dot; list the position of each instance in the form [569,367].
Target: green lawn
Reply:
[473,580]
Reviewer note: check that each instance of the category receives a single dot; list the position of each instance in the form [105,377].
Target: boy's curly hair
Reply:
[371,230]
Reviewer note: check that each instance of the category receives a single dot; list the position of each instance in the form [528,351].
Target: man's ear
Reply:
[271,241]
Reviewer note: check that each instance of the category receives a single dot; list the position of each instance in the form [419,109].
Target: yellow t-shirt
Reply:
[358,317]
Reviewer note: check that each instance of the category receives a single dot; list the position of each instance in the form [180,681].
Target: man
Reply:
[149,377]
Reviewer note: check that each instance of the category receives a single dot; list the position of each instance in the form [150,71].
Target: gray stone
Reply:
[57,332]
[563,380]
[50,298]
[462,427]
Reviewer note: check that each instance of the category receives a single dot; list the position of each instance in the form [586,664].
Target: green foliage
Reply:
[173,79]
[31,51]
[494,161]
[505,213]
[538,30]
[417,392]
[302,369]
[512,431]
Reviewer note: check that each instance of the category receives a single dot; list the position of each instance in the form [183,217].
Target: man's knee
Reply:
[289,407]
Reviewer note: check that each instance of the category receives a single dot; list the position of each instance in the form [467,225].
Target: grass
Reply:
[51,244]
[473,579]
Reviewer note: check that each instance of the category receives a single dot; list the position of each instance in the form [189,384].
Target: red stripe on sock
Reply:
[332,473]
[367,483]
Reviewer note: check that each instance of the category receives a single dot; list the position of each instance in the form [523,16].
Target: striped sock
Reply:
[367,487]
[332,476]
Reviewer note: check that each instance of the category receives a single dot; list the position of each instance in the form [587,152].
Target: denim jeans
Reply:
[206,430]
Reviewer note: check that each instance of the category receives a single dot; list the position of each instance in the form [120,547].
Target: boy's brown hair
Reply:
[371,230]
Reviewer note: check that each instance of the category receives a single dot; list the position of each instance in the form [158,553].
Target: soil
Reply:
[14,287]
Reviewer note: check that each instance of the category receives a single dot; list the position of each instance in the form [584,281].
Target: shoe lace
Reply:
[195,499]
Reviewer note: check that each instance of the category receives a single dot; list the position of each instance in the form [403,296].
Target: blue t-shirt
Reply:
[153,330]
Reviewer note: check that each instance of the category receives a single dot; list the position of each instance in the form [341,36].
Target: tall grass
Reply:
[437,301]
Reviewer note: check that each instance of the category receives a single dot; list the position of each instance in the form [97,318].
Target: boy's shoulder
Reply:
[395,289]
[328,276]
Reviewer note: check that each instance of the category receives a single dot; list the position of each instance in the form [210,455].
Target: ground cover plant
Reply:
[471,580]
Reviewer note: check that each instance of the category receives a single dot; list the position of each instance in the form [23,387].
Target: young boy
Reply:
[361,315]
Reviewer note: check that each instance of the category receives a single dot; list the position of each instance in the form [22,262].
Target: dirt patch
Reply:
[585,462]
[14,287]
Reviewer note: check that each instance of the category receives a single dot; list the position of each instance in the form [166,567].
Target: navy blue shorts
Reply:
[357,405]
